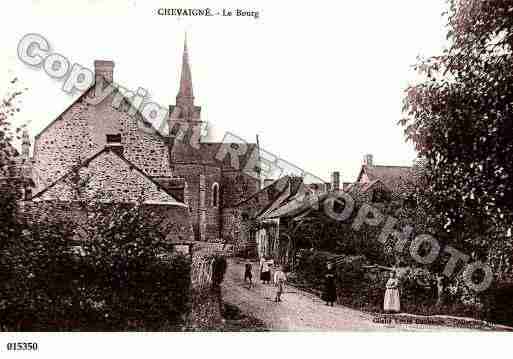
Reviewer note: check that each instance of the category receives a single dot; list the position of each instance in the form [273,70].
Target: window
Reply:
[28,193]
[376,196]
[215,195]
[410,201]
[379,196]
[114,138]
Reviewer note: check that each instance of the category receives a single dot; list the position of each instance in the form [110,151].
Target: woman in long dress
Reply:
[329,295]
[265,271]
[392,303]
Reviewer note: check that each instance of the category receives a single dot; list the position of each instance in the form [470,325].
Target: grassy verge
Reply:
[236,321]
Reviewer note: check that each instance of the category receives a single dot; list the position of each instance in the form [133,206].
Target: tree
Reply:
[460,119]
[9,228]
[93,264]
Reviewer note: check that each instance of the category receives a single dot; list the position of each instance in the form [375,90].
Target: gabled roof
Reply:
[79,98]
[300,200]
[169,198]
[85,94]
[272,192]
[362,186]
[395,178]
[299,206]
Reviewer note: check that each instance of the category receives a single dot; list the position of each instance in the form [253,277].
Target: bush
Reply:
[352,286]
[364,288]
[53,284]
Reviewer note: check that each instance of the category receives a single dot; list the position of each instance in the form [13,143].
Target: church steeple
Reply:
[185,97]
[186,77]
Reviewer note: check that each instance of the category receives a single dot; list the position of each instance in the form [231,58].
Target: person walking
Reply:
[265,271]
[440,290]
[329,294]
[392,302]
[279,281]
[248,275]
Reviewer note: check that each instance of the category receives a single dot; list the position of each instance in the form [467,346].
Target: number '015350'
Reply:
[22,346]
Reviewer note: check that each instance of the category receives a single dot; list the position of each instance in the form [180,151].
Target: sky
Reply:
[321,83]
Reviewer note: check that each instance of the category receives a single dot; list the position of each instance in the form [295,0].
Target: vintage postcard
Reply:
[255,167]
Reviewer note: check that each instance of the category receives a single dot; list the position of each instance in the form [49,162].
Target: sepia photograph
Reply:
[247,168]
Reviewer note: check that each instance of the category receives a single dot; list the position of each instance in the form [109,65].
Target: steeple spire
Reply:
[185,110]
[185,91]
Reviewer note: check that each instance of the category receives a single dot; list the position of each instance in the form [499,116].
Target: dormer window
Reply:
[114,143]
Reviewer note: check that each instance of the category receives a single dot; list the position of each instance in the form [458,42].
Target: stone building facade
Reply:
[174,162]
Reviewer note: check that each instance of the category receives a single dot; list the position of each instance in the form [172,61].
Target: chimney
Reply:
[268,182]
[25,145]
[367,160]
[104,69]
[335,181]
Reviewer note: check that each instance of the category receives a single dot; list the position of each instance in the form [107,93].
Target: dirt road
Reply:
[299,310]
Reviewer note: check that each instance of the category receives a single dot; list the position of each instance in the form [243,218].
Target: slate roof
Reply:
[396,178]
[271,192]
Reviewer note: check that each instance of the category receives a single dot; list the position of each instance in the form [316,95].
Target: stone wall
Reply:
[81,131]
[211,220]
[107,177]
[207,274]
[237,186]
[231,223]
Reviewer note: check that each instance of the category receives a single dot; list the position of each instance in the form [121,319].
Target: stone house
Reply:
[108,177]
[107,137]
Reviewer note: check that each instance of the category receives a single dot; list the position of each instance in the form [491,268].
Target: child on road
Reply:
[279,281]
[248,276]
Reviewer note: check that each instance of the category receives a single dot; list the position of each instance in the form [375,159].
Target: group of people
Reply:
[391,301]
[265,265]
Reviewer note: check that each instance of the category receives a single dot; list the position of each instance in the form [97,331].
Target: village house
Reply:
[379,185]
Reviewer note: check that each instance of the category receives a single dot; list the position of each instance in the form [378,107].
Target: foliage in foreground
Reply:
[363,288]
[460,119]
[115,280]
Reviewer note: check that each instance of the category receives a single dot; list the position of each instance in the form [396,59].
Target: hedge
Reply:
[49,285]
